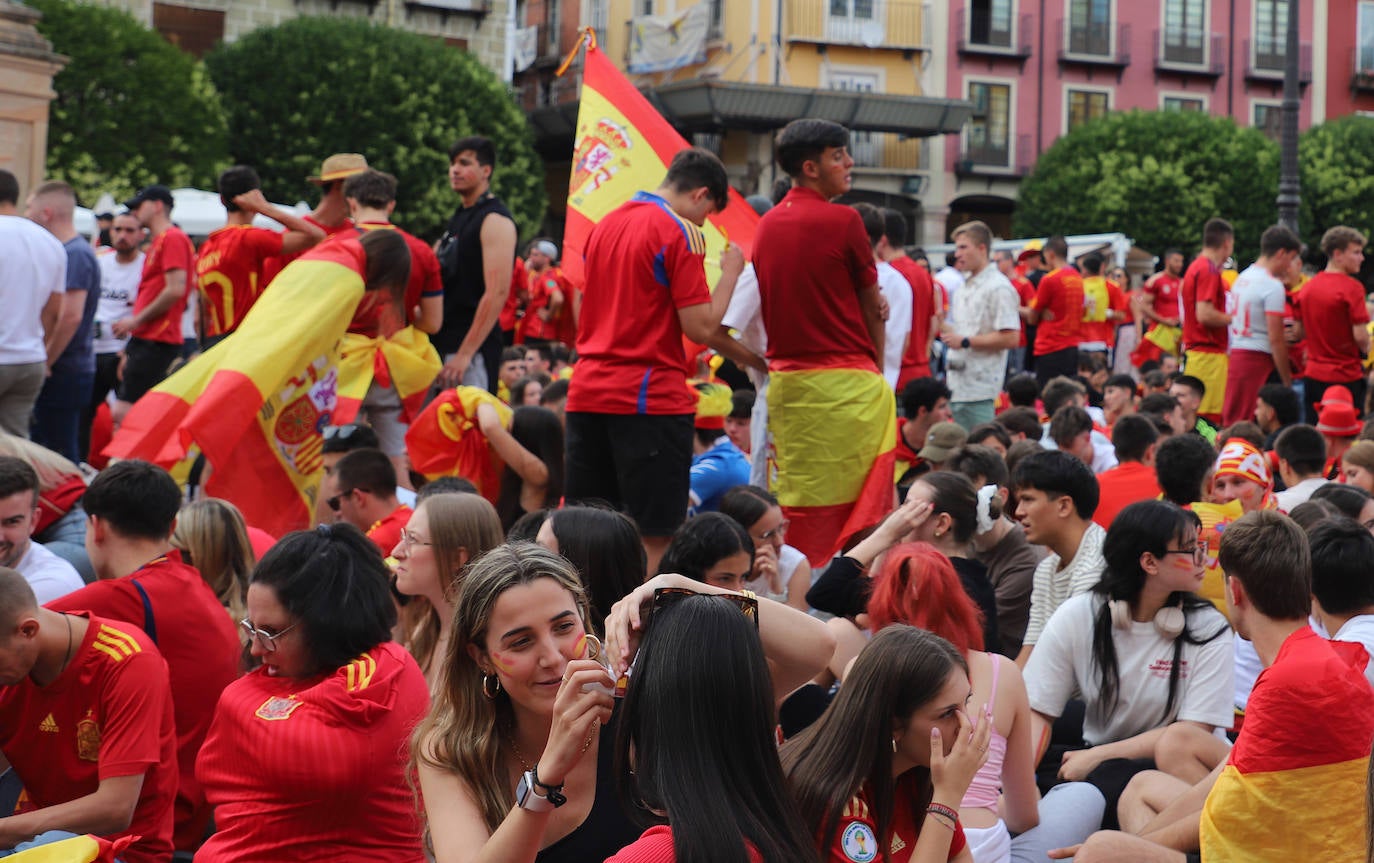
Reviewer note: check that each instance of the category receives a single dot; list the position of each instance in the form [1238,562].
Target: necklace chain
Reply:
[525,766]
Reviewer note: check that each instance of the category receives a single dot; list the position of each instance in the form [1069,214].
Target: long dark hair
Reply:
[850,747]
[747,504]
[1149,525]
[702,542]
[696,738]
[606,548]
[539,431]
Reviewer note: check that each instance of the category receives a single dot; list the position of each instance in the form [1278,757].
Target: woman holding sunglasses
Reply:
[1142,650]
[515,757]
[713,796]
[305,756]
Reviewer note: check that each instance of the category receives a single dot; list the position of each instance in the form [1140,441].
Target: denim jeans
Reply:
[57,412]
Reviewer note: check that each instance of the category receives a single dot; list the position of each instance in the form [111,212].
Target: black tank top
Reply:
[460,262]
[606,828]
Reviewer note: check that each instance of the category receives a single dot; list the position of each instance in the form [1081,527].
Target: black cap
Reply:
[151,193]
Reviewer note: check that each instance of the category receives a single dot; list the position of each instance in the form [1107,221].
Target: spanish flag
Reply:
[405,359]
[445,439]
[1294,785]
[623,146]
[256,403]
[78,849]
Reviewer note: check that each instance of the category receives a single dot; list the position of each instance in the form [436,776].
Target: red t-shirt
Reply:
[369,319]
[1061,294]
[276,264]
[386,532]
[1164,294]
[171,250]
[1025,291]
[856,837]
[1121,486]
[541,287]
[1332,305]
[1202,284]
[315,768]
[109,714]
[510,311]
[1292,313]
[201,646]
[644,262]
[916,360]
[1105,331]
[229,273]
[812,259]
[655,845]
[567,319]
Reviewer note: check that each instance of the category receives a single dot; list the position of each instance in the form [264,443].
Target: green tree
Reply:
[343,86]
[131,109]
[1336,163]
[1155,176]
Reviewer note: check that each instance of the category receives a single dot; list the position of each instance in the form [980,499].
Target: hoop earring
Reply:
[894,746]
[487,689]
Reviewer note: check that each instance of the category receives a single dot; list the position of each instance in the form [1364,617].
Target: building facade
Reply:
[1034,69]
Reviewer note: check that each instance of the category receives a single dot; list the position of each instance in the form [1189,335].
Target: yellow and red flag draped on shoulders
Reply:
[623,146]
[445,439]
[78,849]
[1293,787]
[405,359]
[257,402]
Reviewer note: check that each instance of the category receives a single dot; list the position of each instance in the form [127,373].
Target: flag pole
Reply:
[588,38]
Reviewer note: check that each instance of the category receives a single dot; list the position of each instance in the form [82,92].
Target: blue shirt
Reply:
[716,471]
[83,274]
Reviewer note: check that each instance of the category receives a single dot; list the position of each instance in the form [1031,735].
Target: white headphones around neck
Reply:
[1169,620]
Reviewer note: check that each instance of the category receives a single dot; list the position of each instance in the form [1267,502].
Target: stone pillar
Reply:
[27,67]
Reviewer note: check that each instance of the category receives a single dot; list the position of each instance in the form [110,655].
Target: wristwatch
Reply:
[527,794]
[966,343]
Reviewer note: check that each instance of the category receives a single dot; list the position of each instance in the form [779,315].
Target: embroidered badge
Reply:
[88,739]
[859,843]
[277,707]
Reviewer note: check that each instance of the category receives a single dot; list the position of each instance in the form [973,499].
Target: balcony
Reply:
[896,24]
[992,160]
[467,8]
[1186,53]
[1265,61]
[886,152]
[991,42]
[1092,45]
[1362,78]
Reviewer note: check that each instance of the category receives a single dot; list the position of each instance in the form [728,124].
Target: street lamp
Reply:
[1289,186]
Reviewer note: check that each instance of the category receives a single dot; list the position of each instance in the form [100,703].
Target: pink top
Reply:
[987,782]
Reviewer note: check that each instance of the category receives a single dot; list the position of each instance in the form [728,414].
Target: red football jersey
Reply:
[229,274]
[170,250]
[373,310]
[1060,293]
[1202,284]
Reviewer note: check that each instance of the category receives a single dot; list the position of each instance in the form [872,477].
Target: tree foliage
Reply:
[1155,176]
[1336,162]
[131,109]
[297,92]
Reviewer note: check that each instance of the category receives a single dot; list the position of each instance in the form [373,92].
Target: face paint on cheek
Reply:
[580,649]
[501,662]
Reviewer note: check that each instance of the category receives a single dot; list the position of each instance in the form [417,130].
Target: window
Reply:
[553,20]
[194,31]
[865,147]
[1271,33]
[856,9]
[1269,119]
[1184,31]
[646,7]
[990,23]
[1085,105]
[1184,103]
[599,13]
[988,132]
[1090,27]
[1364,63]
[717,18]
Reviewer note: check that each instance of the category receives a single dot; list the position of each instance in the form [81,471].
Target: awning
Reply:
[714,106]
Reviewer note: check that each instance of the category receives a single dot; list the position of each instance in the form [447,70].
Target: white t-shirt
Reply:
[987,303]
[33,267]
[951,280]
[1062,668]
[744,315]
[897,291]
[118,289]
[1300,493]
[1359,629]
[1051,586]
[50,576]
[1255,294]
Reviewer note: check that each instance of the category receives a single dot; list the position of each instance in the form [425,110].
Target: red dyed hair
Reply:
[917,585]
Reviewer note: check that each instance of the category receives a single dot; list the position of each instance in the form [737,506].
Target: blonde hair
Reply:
[52,469]
[458,523]
[213,537]
[1361,454]
[462,734]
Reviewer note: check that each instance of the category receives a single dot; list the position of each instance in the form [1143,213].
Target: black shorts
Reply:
[1056,363]
[145,367]
[638,463]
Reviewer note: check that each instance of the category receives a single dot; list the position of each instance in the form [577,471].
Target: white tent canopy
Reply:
[195,211]
[1113,246]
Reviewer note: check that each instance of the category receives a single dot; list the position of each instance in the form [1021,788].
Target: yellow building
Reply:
[728,75]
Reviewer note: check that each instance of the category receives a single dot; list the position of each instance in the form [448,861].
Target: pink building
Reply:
[1034,69]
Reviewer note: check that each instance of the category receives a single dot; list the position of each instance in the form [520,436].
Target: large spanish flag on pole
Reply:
[624,146]
[257,402]
[1294,785]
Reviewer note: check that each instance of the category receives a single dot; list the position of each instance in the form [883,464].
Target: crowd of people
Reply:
[838,559]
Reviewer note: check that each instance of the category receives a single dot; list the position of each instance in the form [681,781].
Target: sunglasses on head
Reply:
[667,596]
